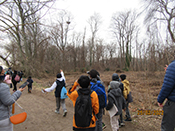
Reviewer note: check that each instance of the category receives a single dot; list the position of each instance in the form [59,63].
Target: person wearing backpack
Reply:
[115,79]
[85,102]
[115,97]
[98,87]
[127,95]
[58,85]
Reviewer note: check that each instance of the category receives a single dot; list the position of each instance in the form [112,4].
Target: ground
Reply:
[40,107]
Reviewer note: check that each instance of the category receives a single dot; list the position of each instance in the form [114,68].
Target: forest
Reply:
[30,44]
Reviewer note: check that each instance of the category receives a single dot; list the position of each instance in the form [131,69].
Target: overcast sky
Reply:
[83,9]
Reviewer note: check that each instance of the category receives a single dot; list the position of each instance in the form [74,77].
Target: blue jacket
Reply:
[168,87]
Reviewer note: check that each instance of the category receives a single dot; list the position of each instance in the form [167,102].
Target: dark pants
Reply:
[99,121]
[14,85]
[168,120]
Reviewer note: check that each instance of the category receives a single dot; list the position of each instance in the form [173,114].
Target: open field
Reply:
[145,87]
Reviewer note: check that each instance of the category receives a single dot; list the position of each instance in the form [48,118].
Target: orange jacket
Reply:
[73,94]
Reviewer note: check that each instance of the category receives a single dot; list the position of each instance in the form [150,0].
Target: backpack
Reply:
[100,90]
[83,109]
[63,93]
[17,78]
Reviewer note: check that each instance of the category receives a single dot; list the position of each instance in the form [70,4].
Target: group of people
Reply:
[85,92]
[15,77]
[89,85]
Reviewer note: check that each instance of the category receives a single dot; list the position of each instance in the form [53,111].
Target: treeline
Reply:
[38,47]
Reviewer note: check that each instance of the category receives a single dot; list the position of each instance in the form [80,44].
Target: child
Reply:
[73,94]
[30,81]
[127,95]
[115,97]
[58,85]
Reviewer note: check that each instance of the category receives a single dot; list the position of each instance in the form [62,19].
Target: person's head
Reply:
[59,75]
[93,73]
[15,72]
[29,77]
[84,81]
[115,77]
[2,75]
[123,77]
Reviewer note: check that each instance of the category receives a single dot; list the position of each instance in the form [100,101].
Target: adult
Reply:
[168,91]
[6,101]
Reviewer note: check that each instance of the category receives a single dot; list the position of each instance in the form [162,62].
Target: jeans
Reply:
[60,102]
[127,111]
[99,121]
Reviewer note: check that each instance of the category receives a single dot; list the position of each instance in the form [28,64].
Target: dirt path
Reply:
[41,116]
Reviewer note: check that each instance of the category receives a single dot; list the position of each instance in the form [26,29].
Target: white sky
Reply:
[83,9]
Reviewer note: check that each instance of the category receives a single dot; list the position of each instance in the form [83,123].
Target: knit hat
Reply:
[123,76]
[84,81]
[115,77]
[59,75]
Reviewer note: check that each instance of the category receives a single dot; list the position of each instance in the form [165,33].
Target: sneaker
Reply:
[122,124]
[103,125]
[128,119]
[65,113]
[57,112]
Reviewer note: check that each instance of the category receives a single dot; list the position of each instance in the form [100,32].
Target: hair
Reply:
[123,76]
[93,73]
[29,77]
[84,81]
[59,75]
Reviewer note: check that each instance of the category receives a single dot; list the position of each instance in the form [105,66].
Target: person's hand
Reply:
[160,104]
[61,70]
[44,90]
[166,66]
[21,89]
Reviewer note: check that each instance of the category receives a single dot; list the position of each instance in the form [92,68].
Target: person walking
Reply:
[6,101]
[30,81]
[127,95]
[74,94]
[97,86]
[115,97]
[168,92]
[58,85]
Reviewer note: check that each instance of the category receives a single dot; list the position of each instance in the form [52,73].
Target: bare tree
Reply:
[20,20]
[59,33]
[94,22]
[161,10]
[123,27]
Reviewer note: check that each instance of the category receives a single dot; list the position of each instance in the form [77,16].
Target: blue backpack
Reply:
[100,90]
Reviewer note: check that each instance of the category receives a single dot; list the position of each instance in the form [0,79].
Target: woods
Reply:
[33,44]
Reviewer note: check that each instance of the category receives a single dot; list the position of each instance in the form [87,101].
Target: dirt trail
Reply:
[41,116]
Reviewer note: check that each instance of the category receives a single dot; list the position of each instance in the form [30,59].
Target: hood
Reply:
[115,92]
[60,79]
[115,77]
[85,91]
[114,84]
